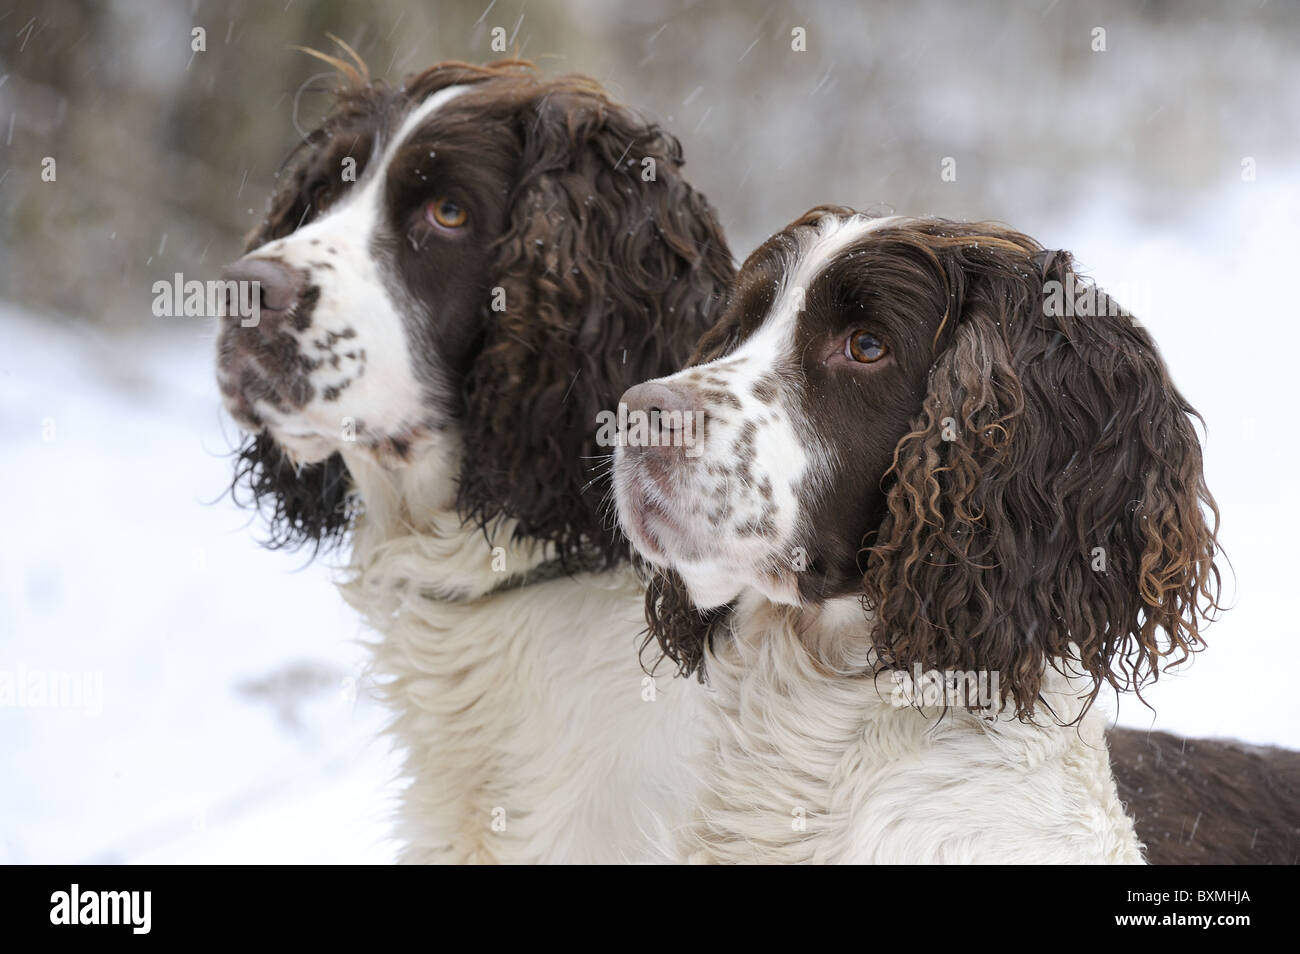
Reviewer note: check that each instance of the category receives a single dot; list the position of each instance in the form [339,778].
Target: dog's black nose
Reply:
[281,286]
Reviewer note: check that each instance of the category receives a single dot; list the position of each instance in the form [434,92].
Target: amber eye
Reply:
[864,347]
[445,213]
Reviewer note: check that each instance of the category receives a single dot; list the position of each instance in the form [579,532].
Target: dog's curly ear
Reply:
[1048,507]
[607,275]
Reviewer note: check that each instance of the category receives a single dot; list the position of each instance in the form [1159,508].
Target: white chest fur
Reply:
[806,764]
[528,729]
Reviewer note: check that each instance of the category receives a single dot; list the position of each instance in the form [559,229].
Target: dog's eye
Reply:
[445,213]
[864,347]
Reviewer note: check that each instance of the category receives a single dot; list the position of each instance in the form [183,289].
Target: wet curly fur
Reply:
[610,265]
[1044,443]
[302,505]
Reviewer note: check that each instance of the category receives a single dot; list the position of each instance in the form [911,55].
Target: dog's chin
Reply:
[641,531]
[649,522]
[305,441]
[303,448]
[715,569]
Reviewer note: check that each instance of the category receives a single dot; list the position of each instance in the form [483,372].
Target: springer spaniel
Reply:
[923,514]
[437,333]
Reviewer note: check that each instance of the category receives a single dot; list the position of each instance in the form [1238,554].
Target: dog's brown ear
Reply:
[1048,508]
[609,272]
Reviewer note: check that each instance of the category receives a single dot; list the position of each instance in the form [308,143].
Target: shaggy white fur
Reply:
[529,729]
[809,761]
[531,733]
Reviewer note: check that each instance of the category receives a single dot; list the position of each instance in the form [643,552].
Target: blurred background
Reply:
[1160,141]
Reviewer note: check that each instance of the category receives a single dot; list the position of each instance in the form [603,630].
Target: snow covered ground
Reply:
[231,727]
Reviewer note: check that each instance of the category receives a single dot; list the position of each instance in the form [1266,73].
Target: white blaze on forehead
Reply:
[359,209]
[817,249]
[371,191]
[773,342]
[413,121]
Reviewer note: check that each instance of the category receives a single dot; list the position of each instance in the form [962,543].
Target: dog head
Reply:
[905,409]
[463,271]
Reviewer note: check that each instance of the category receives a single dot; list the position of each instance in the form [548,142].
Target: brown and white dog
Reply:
[912,467]
[456,275]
